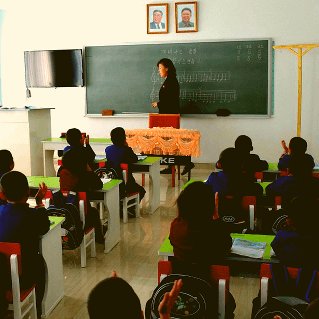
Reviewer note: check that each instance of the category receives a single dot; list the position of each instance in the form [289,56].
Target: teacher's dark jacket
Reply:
[169,96]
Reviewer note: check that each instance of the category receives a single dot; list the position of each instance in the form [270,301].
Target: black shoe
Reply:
[166,170]
[187,168]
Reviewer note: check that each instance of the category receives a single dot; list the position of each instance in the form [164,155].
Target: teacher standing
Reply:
[169,98]
[169,92]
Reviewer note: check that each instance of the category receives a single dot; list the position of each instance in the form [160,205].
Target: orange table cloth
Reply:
[164,141]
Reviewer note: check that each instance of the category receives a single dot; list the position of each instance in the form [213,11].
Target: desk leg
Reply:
[48,163]
[155,190]
[112,202]
[51,250]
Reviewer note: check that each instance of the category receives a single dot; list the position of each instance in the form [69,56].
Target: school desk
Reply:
[149,165]
[54,144]
[51,250]
[111,200]
[166,249]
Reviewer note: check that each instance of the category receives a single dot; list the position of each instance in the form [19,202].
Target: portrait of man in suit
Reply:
[157,18]
[186,22]
[186,16]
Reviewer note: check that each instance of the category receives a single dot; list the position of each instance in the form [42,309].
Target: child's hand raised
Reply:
[41,193]
[166,305]
[284,146]
[87,140]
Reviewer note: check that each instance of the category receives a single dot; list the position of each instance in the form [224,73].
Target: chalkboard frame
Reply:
[270,79]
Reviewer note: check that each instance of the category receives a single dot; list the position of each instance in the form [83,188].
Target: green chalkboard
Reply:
[234,75]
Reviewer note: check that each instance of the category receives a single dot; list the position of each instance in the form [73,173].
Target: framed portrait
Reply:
[157,18]
[186,16]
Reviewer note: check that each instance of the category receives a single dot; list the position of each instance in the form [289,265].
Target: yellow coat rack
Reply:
[299,50]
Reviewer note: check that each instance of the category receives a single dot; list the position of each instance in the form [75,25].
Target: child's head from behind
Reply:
[14,186]
[297,145]
[114,298]
[228,160]
[6,161]
[196,203]
[303,214]
[118,136]
[301,165]
[243,144]
[74,162]
[74,137]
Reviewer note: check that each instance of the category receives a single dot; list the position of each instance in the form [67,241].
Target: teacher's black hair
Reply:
[169,65]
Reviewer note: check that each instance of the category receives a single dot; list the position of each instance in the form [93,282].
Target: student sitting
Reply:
[297,146]
[199,241]
[76,142]
[251,163]
[106,296]
[6,165]
[299,181]
[232,180]
[76,175]
[296,245]
[194,235]
[119,153]
[6,162]
[21,224]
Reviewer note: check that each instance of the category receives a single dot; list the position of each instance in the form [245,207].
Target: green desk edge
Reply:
[167,248]
[56,220]
[53,182]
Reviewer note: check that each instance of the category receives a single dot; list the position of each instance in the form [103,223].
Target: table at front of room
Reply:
[175,146]
[111,200]
[51,250]
[166,249]
[54,144]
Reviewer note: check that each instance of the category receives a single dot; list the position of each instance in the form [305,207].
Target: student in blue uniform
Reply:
[119,153]
[297,147]
[6,162]
[21,224]
[6,165]
[81,145]
[231,180]
[251,163]
[296,245]
[299,181]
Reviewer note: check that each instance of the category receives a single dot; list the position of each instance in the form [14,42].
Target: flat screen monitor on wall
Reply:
[53,68]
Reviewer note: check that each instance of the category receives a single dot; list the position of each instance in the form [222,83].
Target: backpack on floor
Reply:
[290,297]
[196,299]
[72,227]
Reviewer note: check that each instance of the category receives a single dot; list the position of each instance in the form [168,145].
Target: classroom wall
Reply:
[75,24]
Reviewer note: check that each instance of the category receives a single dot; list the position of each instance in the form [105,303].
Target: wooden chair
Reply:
[265,275]
[248,204]
[21,301]
[131,199]
[165,120]
[219,274]
[89,232]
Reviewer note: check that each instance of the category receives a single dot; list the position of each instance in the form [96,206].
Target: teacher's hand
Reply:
[154,104]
